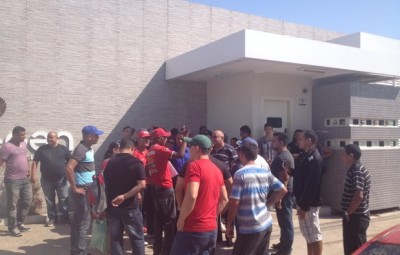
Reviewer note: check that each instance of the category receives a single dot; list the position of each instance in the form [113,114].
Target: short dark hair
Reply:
[353,149]
[174,131]
[17,129]
[245,129]
[268,124]
[126,143]
[249,150]
[312,135]
[282,137]
[126,127]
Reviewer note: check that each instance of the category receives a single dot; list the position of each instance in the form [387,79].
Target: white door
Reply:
[277,109]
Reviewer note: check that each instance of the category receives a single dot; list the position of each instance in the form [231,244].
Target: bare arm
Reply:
[276,196]
[179,191]
[135,190]
[232,212]
[1,162]
[181,152]
[223,199]
[189,201]
[69,170]
[228,185]
[33,171]
[355,201]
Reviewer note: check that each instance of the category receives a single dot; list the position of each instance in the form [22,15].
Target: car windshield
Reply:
[376,248]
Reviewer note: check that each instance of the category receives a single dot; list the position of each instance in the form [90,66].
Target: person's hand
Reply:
[118,200]
[180,224]
[79,190]
[278,205]
[229,231]
[139,198]
[185,131]
[301,214]
[33,179]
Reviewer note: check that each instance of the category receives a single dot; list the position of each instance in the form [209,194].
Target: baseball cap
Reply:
[247,140]
[91,130]
[199,140]
[143,133]
[160,132]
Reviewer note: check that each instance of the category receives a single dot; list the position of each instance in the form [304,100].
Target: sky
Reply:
[380,17]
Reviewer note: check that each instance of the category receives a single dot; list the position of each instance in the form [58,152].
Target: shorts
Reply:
[309,227]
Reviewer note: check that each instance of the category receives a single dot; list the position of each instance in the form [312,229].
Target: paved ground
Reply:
[47,241]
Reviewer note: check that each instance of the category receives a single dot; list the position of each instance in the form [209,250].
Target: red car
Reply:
[387,242]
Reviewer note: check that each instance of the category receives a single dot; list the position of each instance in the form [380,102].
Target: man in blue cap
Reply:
[80,170]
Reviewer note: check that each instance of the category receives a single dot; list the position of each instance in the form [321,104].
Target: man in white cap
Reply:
[80,170]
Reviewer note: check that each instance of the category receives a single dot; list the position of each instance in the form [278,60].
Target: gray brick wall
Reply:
[361,101]
[65,64]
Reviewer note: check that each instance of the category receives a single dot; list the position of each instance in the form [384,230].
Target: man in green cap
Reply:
[205,197]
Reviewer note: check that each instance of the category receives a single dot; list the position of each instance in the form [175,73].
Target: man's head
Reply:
[247,150]
[126,145]
[245,132]
[296,135]
[279,141]
[199,145]
[202,130]
[351,154]
[52,138]
[18,134]
[268,130]
[127,132]
[91,134]
[143,138]
[218,138]
[307,140]
[160,136]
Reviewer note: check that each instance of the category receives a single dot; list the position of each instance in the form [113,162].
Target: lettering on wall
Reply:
[39,138]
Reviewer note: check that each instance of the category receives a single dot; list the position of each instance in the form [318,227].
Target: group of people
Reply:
[187,190]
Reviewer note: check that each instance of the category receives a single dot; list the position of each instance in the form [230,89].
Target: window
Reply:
[369,122]
[342,143]
[381,143]
[356,121]
[356,143]
[369,144]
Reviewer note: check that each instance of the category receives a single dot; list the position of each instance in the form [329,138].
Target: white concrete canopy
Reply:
[374,57]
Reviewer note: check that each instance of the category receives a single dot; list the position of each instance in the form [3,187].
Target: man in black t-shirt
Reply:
[52,158]
[124,178]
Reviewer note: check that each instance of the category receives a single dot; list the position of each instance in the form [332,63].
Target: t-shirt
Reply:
[52,161]
[179,162]
[251,185]
[357,179]
[281,159]
[261,162]
[16,160]
[85,169]
[204,214]
[121,175]
[141,155]
[226,154]
[266,150]
[157,165]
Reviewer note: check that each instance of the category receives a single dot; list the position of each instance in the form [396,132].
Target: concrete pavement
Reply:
[55,240]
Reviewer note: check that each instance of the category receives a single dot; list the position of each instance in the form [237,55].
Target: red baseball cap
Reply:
[160,132]
[143,133]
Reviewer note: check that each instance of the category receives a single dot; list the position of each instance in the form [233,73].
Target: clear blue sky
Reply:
[381,17]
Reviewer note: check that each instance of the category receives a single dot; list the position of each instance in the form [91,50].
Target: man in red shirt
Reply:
[158,169]
[205,197]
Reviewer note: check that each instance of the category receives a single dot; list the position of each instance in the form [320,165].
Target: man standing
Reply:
[307,189]
[52,158]
[17,182]
[159,172]
[355,200]
[221,150]
[205,197]
[265,143]
[248,203]
[280,167]
[80,170]
[124,178]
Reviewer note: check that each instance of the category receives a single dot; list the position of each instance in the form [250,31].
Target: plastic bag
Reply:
[99,239]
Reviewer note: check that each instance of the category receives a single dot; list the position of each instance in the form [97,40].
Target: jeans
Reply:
[164,220]
[80,222]
[49,191]
[131,220]
[354,232]
[252,244]
[148,209]
[186,243]
[19,199]
[285,222]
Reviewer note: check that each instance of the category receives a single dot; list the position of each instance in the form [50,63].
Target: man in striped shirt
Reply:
[248,202]
[355,200]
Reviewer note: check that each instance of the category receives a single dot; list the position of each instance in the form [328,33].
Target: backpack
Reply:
[96,195]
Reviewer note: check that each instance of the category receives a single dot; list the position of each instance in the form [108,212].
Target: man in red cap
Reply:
[158,169]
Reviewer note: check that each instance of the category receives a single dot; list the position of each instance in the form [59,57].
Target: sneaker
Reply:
[22,228]
[15,232]
[277,246]
[49,223]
